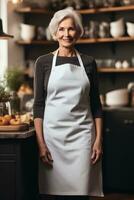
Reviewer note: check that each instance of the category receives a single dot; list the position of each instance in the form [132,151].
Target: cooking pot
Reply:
[119,97]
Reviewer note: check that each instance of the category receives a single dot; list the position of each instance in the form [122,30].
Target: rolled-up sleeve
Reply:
[39,91]
[96,106]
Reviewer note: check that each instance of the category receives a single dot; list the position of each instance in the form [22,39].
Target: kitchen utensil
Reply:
[125,64]
[118,64]
[109,3]
[93,29]
[86,32]
[104,30]
[27,32]
[117,28]
[91,4]
[29,105]
[41,33]
[130,29]
[80,4]
[99,63]
[117,97]
[98,3]
[108,62]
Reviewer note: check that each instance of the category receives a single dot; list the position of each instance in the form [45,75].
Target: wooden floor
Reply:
[115,197]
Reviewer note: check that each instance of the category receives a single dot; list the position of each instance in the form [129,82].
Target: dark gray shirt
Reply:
[43,67]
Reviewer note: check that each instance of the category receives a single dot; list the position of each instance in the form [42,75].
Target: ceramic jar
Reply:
[117,28]
[130,29]
[93,29]
[104,31]
[27,32]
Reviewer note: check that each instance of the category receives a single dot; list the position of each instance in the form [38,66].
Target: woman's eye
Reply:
[61,29]
[71,29]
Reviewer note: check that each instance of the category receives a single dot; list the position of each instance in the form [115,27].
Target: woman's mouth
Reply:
[68,40]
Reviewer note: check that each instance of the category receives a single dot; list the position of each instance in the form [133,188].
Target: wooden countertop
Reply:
[17,134]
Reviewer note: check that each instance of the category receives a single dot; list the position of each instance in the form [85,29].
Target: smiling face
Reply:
[67,33]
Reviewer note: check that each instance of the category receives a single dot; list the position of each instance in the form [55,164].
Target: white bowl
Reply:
[130,29]
[118,97]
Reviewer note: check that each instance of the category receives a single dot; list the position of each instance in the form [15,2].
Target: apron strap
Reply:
[79,58]
[54,59]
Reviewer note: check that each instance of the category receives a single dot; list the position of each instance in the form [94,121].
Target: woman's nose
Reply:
[66,32]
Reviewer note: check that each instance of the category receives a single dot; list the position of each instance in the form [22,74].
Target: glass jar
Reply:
[3,109]
[15,103]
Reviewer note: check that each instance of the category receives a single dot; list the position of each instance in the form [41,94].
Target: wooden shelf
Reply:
[33,10]
[36,42]
[114,70]
[80,41]
[102,40]
[84,11]
[103,10]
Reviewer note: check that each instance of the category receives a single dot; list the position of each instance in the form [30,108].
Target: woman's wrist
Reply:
[99,139]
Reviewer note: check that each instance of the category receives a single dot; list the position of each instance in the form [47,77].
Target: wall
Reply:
[15,52]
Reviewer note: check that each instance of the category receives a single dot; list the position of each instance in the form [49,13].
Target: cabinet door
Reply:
[7,179]
[118,160]
[7,170]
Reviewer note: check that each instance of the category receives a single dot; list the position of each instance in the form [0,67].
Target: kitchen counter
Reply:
[18,165]
[17,134]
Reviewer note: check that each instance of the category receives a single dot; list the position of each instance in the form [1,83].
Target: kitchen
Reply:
[109,36]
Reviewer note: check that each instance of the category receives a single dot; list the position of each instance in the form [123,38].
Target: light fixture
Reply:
[2,34]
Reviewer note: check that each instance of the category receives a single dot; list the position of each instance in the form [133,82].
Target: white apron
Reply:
[69,133]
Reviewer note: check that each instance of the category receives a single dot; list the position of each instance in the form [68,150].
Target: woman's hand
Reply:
[45,155]
[96,151]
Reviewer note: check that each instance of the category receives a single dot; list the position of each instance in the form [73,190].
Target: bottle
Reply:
[15,103]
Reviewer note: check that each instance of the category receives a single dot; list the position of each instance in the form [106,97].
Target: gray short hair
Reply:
[62,14]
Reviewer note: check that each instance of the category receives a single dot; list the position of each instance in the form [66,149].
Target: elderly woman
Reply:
[67,115]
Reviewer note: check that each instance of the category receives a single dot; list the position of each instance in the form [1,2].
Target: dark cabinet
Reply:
[118,159]
[7,167]
[18,169]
